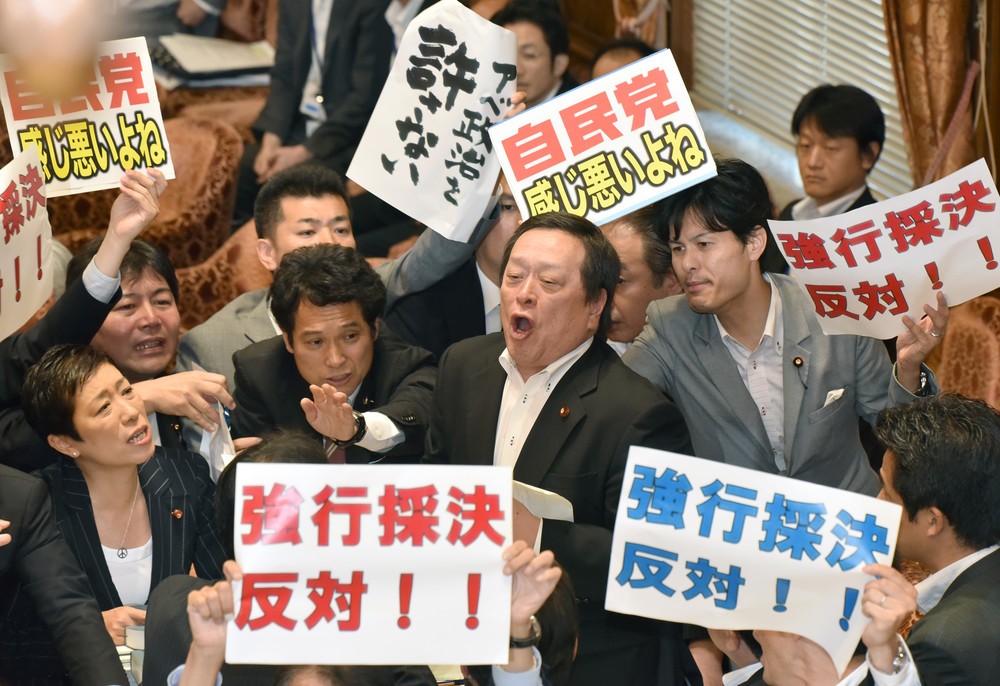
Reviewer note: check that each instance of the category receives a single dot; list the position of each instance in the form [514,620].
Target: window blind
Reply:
[755,59]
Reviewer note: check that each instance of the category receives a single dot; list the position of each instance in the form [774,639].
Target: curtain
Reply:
[929,47]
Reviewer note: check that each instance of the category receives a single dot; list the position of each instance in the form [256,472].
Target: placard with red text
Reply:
[25,276]
[607,147]
[863,270]
[371,564]
[86,141]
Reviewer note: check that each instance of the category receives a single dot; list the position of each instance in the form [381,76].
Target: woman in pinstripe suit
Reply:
[88,411]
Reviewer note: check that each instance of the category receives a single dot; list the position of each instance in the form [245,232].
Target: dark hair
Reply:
[842,111]
[51,385]
[325,275]
[622,45]
[140,257]
[655,250]
[947,450]
[281,447]
[601,266]
[356,675]
[736,200]
[545,15]
[300,181]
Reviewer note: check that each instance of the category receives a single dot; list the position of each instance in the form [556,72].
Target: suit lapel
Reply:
[795,377]
[160,505]
[721,369]
[489,381]
[81,518]
[257,322]
[559,416]
[462,304]
[333,34]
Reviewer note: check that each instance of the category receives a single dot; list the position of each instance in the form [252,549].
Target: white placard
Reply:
[426,150]
[863,270]
[724,547]
[371,564]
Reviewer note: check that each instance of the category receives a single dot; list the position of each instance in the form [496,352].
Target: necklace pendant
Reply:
[122,553]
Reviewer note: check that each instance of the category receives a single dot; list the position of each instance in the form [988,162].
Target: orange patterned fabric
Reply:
[232,270]
[929,58]
[970,356]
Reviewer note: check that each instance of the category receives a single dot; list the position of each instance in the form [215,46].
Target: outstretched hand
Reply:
[329,413]
[134,209]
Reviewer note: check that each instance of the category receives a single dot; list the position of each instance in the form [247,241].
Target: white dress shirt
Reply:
[806,208]
[491,301]
[761,371]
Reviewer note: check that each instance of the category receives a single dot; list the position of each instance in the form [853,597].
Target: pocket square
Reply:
[833,396]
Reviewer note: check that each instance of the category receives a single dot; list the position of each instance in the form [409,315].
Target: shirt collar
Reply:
[399,17]
[774,327]
[930,590]
[554,371]
[806,208]
[491,293]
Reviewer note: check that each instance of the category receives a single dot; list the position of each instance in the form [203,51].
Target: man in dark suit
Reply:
[549,398]
[465,303]
[332,360]
[839,133]
[38,560]
[542,49]
[329,69]
[942,464]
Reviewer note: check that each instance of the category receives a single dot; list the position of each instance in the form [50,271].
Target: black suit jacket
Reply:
[355,66]
[958,642]
[180,499]
[399,385]
[577,447]
[449,311]
[76,317]
[773,260]
[38,561]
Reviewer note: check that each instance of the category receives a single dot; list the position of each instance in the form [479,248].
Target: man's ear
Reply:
[756,242]
[936,521]
[288,342]
[559,65]
[376,329]
[597,306]
[869,154]
[64,445]
[267,254]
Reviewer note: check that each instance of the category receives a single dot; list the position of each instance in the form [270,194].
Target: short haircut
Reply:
[50,387]
[947,450]
[620,46]
[601,266]
[545,15]
[842,111]
[736,200]
[301,181]
[282,447]
[324,275]
[655,250]
[140,257]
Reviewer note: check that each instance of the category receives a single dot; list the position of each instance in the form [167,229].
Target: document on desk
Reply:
[197,54]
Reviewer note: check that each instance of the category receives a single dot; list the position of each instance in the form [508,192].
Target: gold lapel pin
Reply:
[797,362]
[177,514]
[564,411]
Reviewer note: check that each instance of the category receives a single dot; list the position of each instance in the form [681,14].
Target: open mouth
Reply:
[521,325]
[139,436]
[154,344]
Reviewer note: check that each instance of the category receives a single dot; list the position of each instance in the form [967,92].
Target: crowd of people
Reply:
[545,345]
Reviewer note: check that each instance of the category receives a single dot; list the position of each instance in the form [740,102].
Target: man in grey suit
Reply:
[743,354]
[307,205]
[942,464]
